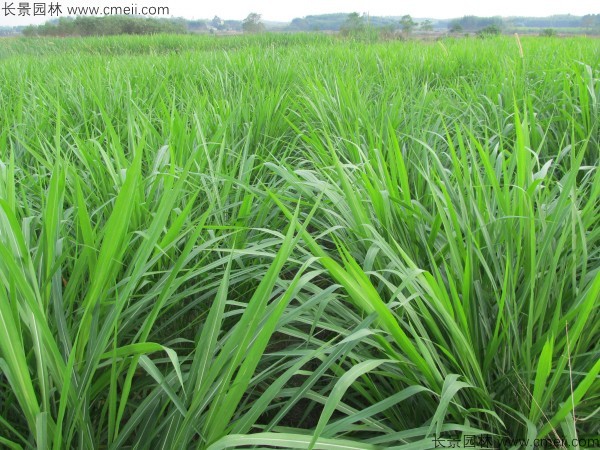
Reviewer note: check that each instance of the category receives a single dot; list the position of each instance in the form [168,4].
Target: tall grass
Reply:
[298,242]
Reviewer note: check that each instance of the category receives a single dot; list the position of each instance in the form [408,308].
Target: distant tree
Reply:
[590,21]
[29,30]
[490,30]
[407,24]
[354,24]
[548,32]
[474,23]
[387,31]
[587,21]
[90,26]
[217,23]
[298,23]
[455,27]
[426,25]
[253,24]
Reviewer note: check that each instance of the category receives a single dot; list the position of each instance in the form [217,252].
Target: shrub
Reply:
[490,30]
[548,32]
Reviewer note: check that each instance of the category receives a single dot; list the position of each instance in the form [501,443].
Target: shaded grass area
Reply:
[297,241]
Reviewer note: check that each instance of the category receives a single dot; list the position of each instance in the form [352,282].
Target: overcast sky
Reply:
[283,10]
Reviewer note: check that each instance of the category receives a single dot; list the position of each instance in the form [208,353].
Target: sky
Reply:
[282,10]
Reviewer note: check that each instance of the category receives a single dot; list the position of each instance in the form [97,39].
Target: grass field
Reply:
[299,242]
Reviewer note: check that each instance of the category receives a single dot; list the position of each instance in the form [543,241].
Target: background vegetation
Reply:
[342,22]
[297,241]
[105,26]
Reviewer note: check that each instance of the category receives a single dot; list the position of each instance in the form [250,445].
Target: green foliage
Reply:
[217,23]
[354,24]
[474,23]
[565,24]
[252,24]
[548,32]
[388,32]
[106,26]
[407,24]
[591,22]
[205,245]
[335,22]
[455,27]
[490,30]
[358,27]
[426,25]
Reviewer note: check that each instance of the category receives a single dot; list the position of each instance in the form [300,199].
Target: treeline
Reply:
[565,21]
[340,22]
[335,22]
[589,22]
[471,24]
[474,23]
[106,26]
